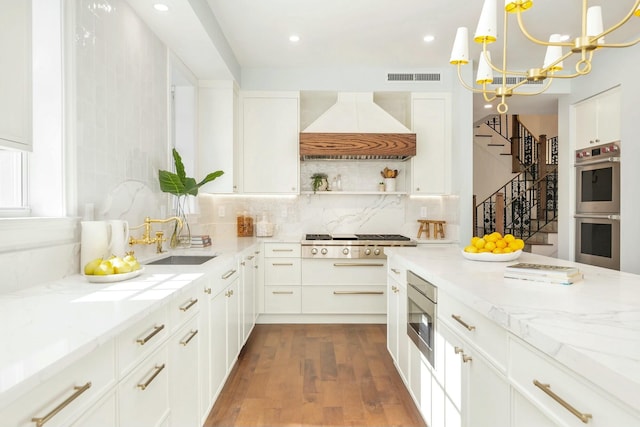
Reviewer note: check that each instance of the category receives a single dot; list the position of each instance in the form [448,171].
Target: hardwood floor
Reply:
[315,375]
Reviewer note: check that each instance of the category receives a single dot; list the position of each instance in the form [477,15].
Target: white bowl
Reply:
[110,278]
[491,257]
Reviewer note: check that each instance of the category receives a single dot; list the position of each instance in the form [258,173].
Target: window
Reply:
[13,168]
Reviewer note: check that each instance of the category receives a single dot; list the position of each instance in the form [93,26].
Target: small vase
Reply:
[390,184]
[181,236]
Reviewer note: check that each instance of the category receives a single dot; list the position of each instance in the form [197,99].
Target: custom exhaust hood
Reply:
[356,128]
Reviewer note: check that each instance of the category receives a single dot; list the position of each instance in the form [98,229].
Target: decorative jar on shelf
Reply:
[390,185]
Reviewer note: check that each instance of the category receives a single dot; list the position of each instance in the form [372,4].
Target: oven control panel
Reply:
[606,150]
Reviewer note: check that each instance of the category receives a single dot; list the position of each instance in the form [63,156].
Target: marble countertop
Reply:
[48,327]
[592,327]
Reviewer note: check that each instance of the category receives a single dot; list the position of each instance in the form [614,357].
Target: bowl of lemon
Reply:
[493,247]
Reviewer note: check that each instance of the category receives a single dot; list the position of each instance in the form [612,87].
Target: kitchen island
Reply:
[590,328]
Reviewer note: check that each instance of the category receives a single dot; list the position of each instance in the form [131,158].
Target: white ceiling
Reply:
[356,33]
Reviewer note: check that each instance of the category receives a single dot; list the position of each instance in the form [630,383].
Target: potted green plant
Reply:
[182,186]
[319,182]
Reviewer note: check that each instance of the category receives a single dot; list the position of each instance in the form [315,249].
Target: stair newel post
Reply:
[515,144]
[474,225]
[542,172]
[499,213]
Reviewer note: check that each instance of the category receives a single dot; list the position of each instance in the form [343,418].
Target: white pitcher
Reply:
[94,241]
[119,237]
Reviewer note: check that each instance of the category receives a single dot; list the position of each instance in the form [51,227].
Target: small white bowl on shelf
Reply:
[491,257]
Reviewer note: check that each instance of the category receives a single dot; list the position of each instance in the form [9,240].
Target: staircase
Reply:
[526,205]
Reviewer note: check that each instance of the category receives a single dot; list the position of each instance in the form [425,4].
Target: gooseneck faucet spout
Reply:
[146,238]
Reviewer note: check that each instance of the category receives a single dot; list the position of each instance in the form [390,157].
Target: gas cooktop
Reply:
[358,237]
[351,245]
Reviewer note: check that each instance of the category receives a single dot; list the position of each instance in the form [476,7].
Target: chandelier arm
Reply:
[557,61]
[532,38]
[546,86]
[615,45]
[616,26]
[485,92]
[504,72]
[465,85]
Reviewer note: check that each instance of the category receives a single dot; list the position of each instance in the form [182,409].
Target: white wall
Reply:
[610,68]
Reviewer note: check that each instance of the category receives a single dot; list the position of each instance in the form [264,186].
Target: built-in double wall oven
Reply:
[422,302]
[598,205]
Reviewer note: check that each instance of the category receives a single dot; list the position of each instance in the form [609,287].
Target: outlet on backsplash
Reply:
[423,211]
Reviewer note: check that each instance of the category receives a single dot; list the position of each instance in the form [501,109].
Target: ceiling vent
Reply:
[410,77]
[515,80]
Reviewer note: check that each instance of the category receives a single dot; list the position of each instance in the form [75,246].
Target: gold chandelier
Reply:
[591,38]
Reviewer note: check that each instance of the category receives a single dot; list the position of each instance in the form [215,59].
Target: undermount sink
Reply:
[182,260]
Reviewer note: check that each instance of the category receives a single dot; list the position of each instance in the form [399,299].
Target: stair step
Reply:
[505,154]
[483,136]
[495,145]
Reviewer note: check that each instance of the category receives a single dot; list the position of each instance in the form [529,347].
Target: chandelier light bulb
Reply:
[553,53]
[460,51]
[486,29]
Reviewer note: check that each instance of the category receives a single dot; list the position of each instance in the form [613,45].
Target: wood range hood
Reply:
[356,128]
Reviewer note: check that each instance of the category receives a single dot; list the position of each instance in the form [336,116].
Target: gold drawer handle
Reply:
[40,421]
[466,358]
[365,264]
[281,264]
[207,291]
[156,329]
[189,304]
[358,292]
[228,274]
[282,292]
[146,384]
[458,350]
[192,334]
[229,293]
[463,323]
[396,271]
[243,263]
[282,250]
[547,389]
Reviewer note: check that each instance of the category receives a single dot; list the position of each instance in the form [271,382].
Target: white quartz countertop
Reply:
[48,327]
[592,327]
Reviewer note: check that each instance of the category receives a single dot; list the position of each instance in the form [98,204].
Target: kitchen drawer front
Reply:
[485,334]
[141,339]
[282,299]
[83,383]
[340,272]
[282,250]
[397,271]
[143,396]
[185,305]
[527,365]
[282,271]
[363,299]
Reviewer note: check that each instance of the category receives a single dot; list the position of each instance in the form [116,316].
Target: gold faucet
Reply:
[146,238]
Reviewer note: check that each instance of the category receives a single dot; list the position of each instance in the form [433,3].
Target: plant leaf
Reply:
[179,165]
[190,186]
[170,183]
[210,177]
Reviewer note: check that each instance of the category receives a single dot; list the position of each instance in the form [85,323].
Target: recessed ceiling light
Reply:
[429,38]
[488,106]
[294,38]
[161,7]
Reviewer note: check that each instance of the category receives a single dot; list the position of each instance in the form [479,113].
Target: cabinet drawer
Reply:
[141,339]
[282,299]
[557,386]
[282,250]
[68,394]
[335,272]
[282,271]
[486,335]
[143,396]
[184,306]
[397,271]
[364,299]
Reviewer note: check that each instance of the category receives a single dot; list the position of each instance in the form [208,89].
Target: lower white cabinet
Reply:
[282,276]
[102,414]
[248,270]
[397,338]
[184,375]
[143,395]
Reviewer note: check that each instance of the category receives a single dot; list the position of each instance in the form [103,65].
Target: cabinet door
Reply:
[233,323]
[586,123]
[609,106]
[184,374]
[248,296]
[270,143]
[217,343]
[102,414]
[15,63]
[431,121]
[525,414]
[392,320]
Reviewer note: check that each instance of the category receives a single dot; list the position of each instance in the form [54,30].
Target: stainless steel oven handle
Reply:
[598,216]
[598,161]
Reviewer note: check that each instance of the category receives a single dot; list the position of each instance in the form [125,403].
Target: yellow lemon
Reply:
[479,243]
[497,251]
[474,239]
[513,245]
[507,250]
[509,238]
[490,246]
[483,250]
[501,244]
[520,243]
[472,249]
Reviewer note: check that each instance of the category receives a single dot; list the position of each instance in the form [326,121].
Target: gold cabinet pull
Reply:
[228,274]
[281,264]
[250,257]
[229,293]
[78,390]
[282,250]
[156,329]
[186,340]
[282,292]
[466,358]
[463,323]
[395,289]
[547,389]
[243,263]
[363,264]
[358,292]
[189,304]
[458,350]
[207,291]
[156,371]
[396,271]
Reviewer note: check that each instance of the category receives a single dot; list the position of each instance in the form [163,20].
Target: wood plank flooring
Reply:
[315,375]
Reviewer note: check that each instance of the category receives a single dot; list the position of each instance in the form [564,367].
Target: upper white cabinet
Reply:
[431,121]
[15,84]
[269,135]
[597,119]
[217,135]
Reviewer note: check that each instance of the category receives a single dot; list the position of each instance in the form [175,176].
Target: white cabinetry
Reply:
[282,275]
[397,339]
[597,119]
[270,147]
[15,63]
[431,121]
[248,291]
[217,135]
